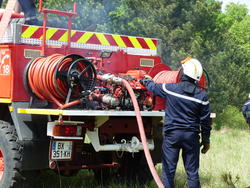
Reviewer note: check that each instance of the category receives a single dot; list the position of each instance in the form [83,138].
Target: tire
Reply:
[134,169]
[104,175]
[67,173]
[10,157]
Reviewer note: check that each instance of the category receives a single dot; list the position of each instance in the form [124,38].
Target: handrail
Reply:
[58,12]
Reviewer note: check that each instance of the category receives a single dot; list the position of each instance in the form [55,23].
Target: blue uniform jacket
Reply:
[246,111]
[183,111]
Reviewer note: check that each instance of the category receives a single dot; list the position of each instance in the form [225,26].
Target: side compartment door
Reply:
[5,73]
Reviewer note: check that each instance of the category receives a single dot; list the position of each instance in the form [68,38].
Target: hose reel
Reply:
[59,78]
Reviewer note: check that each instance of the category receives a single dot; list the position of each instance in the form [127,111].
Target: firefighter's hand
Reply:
[146,76]
[205,148]
[145,79]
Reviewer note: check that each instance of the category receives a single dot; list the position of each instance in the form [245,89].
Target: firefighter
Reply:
[187,113]
[30,12]
[246,111]
[29,9]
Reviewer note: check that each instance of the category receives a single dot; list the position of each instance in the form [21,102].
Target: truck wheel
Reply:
[102,176]
[10,156]
[134,169]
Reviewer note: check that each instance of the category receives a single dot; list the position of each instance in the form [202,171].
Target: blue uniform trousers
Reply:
[173,142]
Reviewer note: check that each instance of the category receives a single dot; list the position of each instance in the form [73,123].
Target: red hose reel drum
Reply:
[168,76]
[56,78]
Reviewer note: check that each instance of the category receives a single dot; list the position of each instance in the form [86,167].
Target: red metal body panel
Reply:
[121,62]
[123,125]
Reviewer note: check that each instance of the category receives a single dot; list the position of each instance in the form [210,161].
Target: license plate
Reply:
[61,150]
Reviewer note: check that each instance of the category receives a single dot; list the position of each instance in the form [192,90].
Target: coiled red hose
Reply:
[42,79]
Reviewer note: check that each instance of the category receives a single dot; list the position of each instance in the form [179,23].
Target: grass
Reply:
[226,165]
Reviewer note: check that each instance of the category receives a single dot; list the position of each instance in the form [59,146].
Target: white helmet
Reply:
[192,68]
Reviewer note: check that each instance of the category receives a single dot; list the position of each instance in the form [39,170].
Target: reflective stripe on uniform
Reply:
[247,103]
[184,96]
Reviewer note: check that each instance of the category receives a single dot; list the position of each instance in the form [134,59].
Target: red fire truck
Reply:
[68,101]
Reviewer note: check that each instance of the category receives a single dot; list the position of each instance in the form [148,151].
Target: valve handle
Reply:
[81,76]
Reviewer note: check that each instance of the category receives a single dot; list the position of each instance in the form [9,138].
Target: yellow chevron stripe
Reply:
[64,37]
[49,33]
[2,100]
[150,43]
[119,40]
[85,37]
[101,37]
[29,31]
[135,42]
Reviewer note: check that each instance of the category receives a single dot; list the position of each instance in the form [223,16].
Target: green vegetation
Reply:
[231,117]
[226,165]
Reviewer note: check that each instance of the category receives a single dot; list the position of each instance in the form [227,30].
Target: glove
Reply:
[205,142]
[145,79]
[205,148]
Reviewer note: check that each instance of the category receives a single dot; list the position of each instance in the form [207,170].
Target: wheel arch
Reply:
[5,112]
[31,135]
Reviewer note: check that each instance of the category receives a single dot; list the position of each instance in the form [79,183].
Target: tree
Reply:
[230,64]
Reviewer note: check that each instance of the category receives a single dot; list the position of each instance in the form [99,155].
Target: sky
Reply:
[225,2]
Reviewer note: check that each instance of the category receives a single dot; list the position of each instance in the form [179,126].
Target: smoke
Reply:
[89,13]
[92,14]
[95,13]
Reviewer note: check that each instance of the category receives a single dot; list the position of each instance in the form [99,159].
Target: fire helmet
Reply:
[192,68]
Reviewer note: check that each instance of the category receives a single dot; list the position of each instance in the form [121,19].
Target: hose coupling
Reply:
[110,78]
